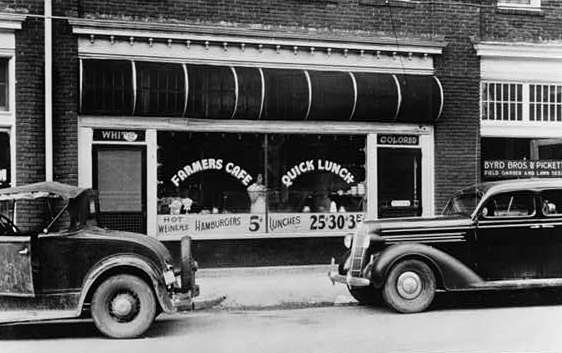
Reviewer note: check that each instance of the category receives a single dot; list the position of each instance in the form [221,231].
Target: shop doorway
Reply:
[399,182]
[118,175]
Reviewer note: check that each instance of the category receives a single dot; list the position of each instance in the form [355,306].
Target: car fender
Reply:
[450,272]
[126,262]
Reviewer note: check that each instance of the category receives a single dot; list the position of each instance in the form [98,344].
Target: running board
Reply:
[519,284]
[18,316]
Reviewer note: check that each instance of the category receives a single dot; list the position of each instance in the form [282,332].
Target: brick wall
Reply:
[518,25]
[457,144]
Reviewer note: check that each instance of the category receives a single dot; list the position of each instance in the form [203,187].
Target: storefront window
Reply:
[507,158]
[254,183]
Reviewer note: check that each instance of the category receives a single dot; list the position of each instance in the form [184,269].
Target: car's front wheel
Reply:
[123,306]
[409,286]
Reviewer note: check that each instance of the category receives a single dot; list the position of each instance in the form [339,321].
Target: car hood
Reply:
[150,242]
[420,223]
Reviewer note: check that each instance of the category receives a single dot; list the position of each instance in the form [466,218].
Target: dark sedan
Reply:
[492,236]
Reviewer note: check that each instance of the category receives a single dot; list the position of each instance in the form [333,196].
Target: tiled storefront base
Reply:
[262,252]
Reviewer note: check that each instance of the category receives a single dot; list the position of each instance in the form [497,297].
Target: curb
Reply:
[271,288]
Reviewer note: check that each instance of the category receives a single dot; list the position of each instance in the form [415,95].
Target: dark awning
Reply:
[113,87]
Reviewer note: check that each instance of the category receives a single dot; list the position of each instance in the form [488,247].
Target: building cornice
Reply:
[11,21]
[361,43]
[521,50]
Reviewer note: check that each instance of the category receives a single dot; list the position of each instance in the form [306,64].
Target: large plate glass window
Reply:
[316,183]
[508,158]
[216,184]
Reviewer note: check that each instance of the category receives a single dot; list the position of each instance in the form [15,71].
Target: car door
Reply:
[510,240]
[16,275]
[551,211]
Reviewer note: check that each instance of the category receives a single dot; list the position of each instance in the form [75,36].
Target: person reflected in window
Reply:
[257,194]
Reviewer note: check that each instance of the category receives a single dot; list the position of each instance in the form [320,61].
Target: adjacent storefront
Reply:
[521,112]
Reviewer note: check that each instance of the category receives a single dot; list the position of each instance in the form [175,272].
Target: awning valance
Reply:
[121,88]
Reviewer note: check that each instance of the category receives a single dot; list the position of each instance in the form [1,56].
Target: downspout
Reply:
[48,92]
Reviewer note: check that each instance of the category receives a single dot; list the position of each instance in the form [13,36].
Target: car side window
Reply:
[509,205]
[551,202]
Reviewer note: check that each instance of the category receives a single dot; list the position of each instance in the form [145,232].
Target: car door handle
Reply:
[547,226]
[535,226]
[24,252]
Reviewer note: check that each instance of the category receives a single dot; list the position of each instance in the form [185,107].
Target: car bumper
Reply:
[351,281]
[186,301]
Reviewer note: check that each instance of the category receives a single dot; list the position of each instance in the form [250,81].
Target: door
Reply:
[120,178]
[16,276]
[399,182]
[551,210]
[510,239]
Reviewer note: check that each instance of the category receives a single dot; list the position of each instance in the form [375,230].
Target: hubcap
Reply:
[123,306]
[409,285]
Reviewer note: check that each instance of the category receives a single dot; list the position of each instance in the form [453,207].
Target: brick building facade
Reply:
[455,46]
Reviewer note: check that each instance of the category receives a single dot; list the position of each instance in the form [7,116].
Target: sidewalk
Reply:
[271,287]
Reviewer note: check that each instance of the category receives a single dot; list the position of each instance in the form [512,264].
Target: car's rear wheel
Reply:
[366,295]
[409,286]
[123,306]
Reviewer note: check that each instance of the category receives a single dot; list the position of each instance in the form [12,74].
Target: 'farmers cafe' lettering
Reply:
[318,165]
[211,164]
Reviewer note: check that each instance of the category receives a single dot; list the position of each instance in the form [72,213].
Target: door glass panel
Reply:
[120,183]
[399,182]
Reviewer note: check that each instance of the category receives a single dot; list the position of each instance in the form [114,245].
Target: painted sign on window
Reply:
[524,168]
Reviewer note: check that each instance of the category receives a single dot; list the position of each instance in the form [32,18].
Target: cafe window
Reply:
[260,183]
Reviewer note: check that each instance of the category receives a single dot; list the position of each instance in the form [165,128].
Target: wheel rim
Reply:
[409,285]
[124,307]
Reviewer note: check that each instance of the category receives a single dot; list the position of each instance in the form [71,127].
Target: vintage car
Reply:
[501,235]
[123,280]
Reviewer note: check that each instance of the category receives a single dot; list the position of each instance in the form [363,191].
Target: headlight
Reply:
[347,240]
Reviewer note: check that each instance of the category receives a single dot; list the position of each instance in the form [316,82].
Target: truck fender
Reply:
[127,262]
[450,272]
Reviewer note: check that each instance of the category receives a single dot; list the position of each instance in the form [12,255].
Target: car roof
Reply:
[531,184]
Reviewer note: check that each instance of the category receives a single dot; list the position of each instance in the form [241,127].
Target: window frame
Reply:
[503,217]
[542,199]
[533,4]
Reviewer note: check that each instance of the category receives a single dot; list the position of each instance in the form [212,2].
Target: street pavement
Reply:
[296,309]
[451,326]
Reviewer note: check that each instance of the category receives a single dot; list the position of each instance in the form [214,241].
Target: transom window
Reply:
[3,84]
[527,102]
[502,101]
[545,102]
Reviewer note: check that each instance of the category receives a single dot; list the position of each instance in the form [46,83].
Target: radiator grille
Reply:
[357,254]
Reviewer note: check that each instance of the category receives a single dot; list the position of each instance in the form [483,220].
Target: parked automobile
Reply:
[122,279]
[502,235]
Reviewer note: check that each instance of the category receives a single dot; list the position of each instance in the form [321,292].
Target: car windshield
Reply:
[462,204]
